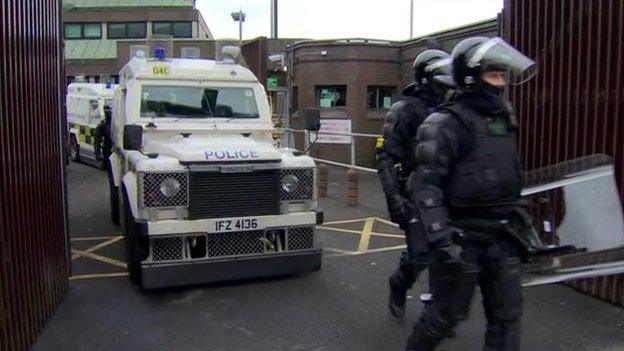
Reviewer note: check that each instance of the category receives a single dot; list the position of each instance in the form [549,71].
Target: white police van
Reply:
[203,193]
[86,103]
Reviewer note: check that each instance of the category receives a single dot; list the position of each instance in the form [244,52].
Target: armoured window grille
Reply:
[235,243]
[150,183]
[304,189]
[300,238]
[167,249]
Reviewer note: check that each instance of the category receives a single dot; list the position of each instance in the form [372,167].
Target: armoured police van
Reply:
[195,179]
[86,103]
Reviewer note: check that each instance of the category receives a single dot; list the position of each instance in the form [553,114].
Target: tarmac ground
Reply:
[340,307]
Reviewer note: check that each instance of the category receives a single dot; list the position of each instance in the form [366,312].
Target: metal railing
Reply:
[287,138]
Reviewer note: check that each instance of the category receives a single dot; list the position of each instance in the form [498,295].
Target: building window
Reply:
[175,29]
[130,30]
[83,31]
[332,95]
[379,97]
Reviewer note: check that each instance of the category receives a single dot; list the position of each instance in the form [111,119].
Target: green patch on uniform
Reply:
[498,127]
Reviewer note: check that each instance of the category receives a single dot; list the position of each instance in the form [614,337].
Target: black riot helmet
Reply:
[473,56]
[429,64]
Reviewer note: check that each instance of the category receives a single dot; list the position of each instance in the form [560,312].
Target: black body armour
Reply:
[490,173]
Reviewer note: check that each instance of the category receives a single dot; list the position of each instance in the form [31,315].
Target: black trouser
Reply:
[413,260]
[495,267]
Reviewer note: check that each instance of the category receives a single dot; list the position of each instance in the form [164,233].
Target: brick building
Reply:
[355,81]
[101,34]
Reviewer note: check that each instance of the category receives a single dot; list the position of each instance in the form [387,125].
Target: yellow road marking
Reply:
[347,221]
[104,259]
[388,248]
[98,246]
[386,222]
[98,275]
[93,238]
[340,251]
[386,235]
[366,234]
[358,232]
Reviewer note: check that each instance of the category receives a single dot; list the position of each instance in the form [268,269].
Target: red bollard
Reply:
[322,179]
[352,187]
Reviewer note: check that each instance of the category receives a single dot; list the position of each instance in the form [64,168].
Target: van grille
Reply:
[215,195]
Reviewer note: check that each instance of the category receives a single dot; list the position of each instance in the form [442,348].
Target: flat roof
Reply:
[126,3]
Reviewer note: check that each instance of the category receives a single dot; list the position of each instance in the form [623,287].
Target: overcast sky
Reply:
[326,19]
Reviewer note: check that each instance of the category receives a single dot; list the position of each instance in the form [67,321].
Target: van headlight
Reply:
[163,189]
[170,187]
[297,184]
[290,182]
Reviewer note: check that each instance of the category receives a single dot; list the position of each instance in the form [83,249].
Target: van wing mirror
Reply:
[312,117]
[133,137]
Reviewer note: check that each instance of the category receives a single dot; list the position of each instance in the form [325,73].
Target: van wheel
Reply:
[74,149]
[113,195]
[133,245]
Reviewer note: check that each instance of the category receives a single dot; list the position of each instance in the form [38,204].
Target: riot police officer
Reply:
[466,190]
[395,161]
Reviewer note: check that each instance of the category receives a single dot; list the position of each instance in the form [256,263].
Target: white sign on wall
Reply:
[334,126]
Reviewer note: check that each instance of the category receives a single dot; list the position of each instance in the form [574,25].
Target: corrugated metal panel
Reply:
[574,106]
[33,241]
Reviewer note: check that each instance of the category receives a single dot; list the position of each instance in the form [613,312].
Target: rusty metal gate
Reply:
[575,104]
[33,242]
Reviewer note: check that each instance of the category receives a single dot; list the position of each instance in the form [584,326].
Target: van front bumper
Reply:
[218,270]
[176,253]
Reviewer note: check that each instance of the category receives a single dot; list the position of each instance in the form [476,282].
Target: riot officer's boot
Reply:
[502,337]
[398,296]
[402,280]
[421,340]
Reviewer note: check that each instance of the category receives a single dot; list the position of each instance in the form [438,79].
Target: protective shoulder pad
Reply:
[463,113]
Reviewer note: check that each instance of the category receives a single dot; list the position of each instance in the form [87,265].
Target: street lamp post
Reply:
[240,18]
[411,19]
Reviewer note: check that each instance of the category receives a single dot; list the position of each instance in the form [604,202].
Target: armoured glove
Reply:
[401,211]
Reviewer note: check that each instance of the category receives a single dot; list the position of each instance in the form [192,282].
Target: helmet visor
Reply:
[497,55]
[440,67]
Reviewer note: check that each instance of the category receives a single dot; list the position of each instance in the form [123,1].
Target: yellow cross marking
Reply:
[100,258]
[93,238]
[350,231]
[98,275]
[365,235]
[97,247]
[89,253]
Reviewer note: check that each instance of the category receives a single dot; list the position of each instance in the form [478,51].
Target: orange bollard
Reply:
[352,187]
[323,171]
